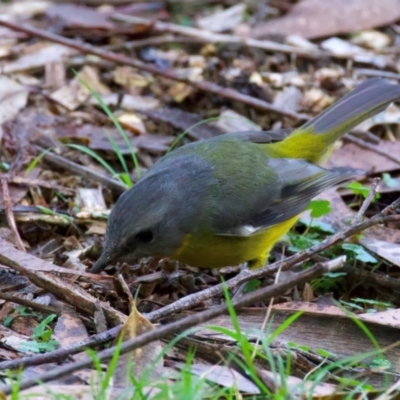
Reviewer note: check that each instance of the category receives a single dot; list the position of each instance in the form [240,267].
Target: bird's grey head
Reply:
[152,218]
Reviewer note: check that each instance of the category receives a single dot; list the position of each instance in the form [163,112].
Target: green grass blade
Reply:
[114,120]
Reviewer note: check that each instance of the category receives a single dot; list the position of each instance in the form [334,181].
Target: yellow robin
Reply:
[229,199]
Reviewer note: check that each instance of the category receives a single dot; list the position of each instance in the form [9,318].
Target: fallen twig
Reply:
[10,216]
[29,303]
[371,195]
[121,59]
[81,170]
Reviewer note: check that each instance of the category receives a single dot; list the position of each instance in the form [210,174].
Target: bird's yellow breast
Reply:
[207,250]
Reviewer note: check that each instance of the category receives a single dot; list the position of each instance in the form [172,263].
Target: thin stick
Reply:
[85,172]
[29,303]
[126,290]
[10,216]
[211,37]
[366,203]
[204,86]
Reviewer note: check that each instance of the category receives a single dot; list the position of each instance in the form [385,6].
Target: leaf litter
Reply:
[61,213]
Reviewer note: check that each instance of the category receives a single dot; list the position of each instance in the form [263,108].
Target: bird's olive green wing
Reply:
[294,184]
[260,136]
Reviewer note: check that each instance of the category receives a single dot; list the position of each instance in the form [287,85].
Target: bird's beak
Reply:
[101,263]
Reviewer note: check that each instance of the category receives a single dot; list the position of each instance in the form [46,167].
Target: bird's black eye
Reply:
[145,236]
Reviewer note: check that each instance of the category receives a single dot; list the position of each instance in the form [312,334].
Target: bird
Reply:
[227,200]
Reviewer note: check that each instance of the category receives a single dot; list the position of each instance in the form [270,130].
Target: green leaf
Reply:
[389,181]
[37,347]
[324,353]
[357,188]
[360,253]
[301,242]
[373,302]
[380,362]
[298,346]
[7,321]
[352,305]
[42,330]
[319,208]
[252,285]
[317,224]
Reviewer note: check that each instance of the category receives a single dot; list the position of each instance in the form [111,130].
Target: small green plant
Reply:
[359,252]
[360,190]
[41,338]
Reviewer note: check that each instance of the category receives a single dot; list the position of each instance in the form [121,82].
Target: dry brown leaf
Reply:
[75,93]
[180,91]
[13,98]
[130,78]
[132,122]
[139,361]
[222,21]
[386,250]
[37,56]
[231,121]
[300,388]
[314,19]
[91,202]
[223,376]
[130,102]
[48,392]
[69,329]
[77,16]
[351,155]
[387,318]
[184,120]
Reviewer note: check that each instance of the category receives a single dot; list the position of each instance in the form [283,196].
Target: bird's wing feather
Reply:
[295,182]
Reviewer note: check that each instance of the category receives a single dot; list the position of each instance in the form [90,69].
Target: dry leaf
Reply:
[77,16]
[139,361]
[231,121]
[13,98]
[37,56]
[75,93]
[132,122]
[223,21]
[223,376]
[314,19]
